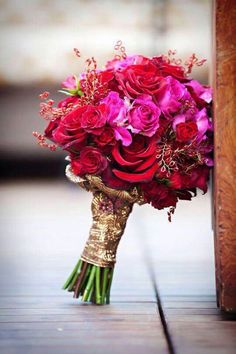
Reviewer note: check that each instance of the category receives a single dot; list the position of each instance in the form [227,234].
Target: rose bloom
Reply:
[52,125]
[90,161]
[105,141]
[69,133]
[169,96]
[166,69]
[110,180]
[92,118]
[136,162]
[135,80]
[143,117]
[177,181]
[107,137]
[186,131]
[198,178]
[158,195]
[200,118]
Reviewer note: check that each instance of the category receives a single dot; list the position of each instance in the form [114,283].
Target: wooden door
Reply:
[224,29]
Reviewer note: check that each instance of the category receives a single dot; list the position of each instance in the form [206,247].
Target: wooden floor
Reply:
[163,295]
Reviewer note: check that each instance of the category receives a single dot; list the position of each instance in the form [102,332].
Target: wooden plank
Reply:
[203,337]
[225,151]
[79,310]
[187,294]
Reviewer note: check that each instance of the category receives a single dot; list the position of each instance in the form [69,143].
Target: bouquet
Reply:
[137,131]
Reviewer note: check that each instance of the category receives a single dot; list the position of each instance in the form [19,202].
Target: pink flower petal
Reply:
[202,122]
[180,118]
[123,135]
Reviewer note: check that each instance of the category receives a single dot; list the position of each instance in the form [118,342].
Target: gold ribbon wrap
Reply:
[110,212]
[108,226]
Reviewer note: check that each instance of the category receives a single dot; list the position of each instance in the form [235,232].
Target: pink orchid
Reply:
[203,92]
[118,64]
[70,82]
[117,117]
[202,120]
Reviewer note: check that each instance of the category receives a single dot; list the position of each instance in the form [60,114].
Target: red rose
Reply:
[136,162]
[90,161]
[107,137]
[158,195]
[69,133]
[72,100]
[112,181]
[93,118]
[166,69]
[69,139]
[135,80]
[52,125]
[186,131]
[196,179]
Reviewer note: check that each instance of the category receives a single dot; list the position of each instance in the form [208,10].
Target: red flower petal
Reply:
[147,163]
[137,177]
[117,156]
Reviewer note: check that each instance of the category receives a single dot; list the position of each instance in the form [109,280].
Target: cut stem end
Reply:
[90,282]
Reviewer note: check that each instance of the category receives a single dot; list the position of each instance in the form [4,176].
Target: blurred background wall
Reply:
[37,39]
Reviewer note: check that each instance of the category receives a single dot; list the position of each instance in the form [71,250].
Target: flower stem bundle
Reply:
[90,282]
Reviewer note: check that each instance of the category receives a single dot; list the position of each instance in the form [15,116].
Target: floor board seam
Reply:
[160,311]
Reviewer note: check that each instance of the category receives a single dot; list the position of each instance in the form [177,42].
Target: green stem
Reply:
[98,285]
[92,283]
[104,283]
[91,293]
[73,281]
[72,275]
[109,286]
[89,284]
[82,285]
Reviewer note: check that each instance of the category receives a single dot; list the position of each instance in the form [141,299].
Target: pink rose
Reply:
[144,116]
[169,96]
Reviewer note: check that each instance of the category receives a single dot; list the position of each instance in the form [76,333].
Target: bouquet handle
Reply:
[92,276]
